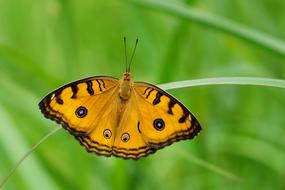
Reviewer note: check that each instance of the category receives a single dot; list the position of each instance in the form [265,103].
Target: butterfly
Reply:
[119,117]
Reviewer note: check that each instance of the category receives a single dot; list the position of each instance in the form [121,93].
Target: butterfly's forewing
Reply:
[163,119]
[78,106]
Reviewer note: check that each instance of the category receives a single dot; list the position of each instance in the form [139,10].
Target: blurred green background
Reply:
[45,44]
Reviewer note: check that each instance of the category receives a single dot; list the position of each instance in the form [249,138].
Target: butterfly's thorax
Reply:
[125,86]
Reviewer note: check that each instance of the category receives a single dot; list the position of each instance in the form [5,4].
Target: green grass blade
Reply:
[206,164]
[28,153]
[258,81]
[254,148]
[186,12]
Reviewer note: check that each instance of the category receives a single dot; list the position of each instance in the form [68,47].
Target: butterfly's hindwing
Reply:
[129,142]
[101,139]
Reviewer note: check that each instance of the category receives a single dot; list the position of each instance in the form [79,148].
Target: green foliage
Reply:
[44,44]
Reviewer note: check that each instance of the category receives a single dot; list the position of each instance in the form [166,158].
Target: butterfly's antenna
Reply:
[126,57]
[137,40]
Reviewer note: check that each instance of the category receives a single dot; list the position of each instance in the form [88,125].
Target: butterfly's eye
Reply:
[107,133]
[125,137]
[81,112]
[158,124]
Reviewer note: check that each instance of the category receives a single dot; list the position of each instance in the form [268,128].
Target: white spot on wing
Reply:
[52,96]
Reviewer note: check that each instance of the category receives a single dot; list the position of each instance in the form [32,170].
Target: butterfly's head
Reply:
[127,76]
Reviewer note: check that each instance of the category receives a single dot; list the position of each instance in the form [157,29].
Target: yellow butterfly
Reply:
[122,118]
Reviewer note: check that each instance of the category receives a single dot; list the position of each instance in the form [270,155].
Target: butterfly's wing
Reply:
[163,119]
[77,106]
[152,120]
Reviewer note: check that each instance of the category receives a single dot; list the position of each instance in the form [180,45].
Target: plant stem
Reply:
[27,154]
[258,81]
